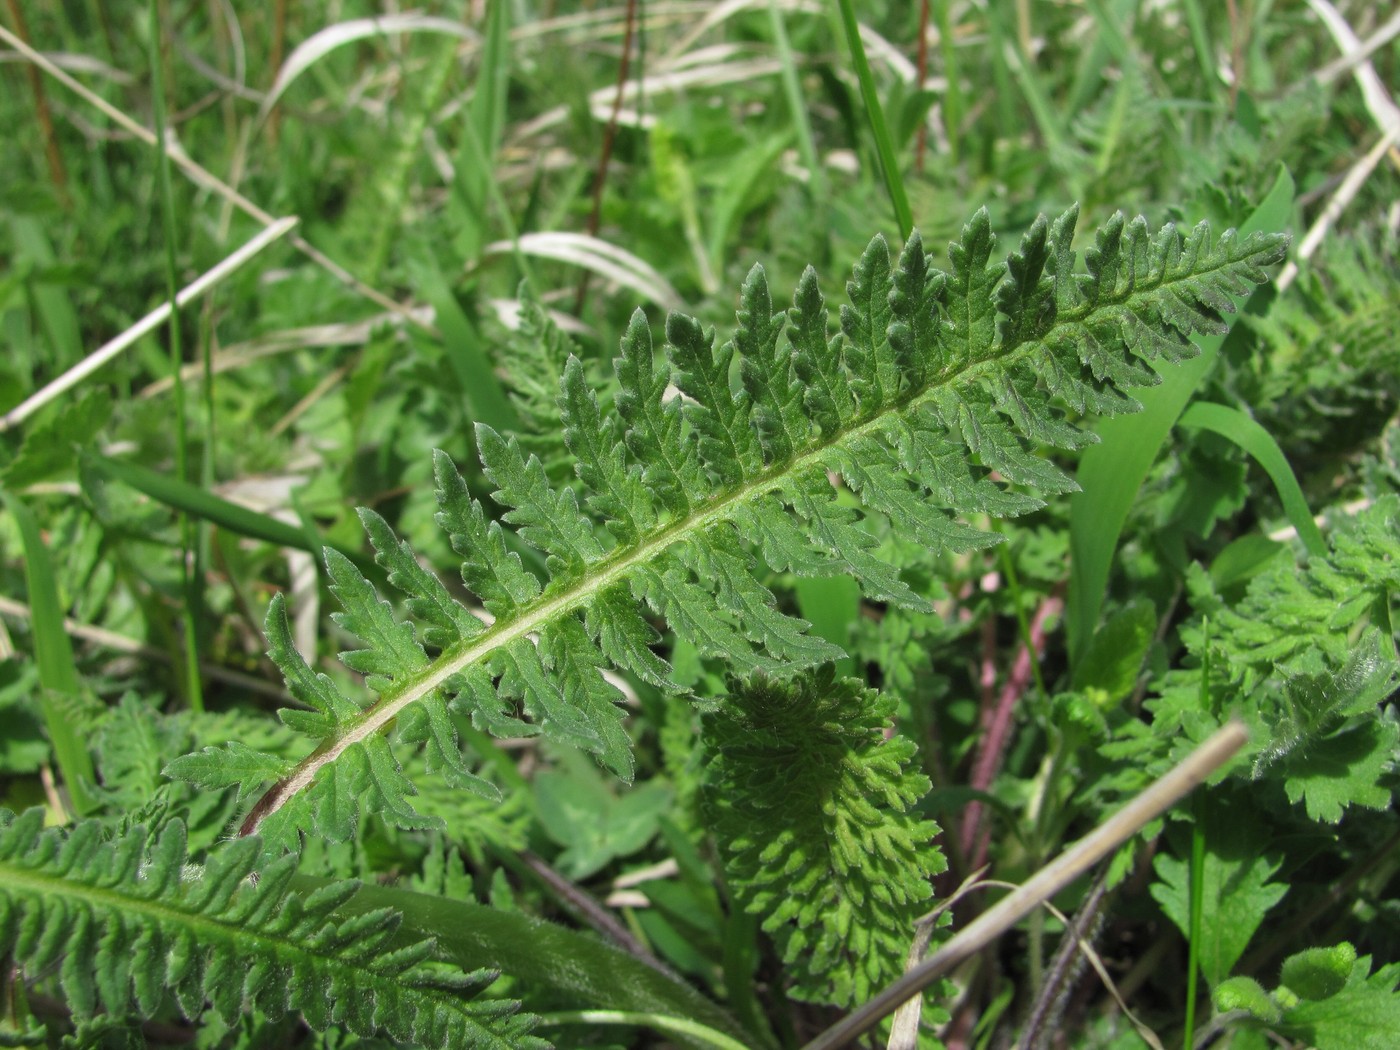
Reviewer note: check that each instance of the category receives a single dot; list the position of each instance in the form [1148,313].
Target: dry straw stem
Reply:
[1341,66]
[1383,111]
[1151,803]
[212,182]
[1373,90]
[150,322]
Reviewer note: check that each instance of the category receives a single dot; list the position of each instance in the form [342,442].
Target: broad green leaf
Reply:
[1238,893]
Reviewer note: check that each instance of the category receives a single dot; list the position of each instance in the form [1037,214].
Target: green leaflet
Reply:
[1237,890]
[1328,998]
[124,920]
[931,403]
[815,813]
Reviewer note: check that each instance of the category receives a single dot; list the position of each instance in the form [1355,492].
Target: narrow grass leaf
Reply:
[463,346]
[58,671]
[579,969]
[195,501]
[1111,472]
[1234,425]
[875,114]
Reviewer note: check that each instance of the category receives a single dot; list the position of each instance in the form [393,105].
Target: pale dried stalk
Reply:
[1349,187]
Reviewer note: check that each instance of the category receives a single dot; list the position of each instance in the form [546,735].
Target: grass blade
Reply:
[463,348]
[191,542]
[1234,425]
[196,502]
[58,671]
[57,318]
[1111,472]
[884,145]
[797,109]
[578,969]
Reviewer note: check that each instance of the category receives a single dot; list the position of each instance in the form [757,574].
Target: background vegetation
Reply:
[647,156]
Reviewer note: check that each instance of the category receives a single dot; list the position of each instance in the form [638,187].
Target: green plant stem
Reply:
[660,1022]
[1200,44]
[191,564]
[1193,950]
[1013,583]
[1198,872]
[884,145]
[797,109]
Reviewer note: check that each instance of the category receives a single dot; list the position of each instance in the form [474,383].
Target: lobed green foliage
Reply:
[1306,655]
[126,921]
[816,812]
[758,605]
[937,381]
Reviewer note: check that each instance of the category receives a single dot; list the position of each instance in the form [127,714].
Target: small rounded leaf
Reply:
[1318,973]
[1245,993]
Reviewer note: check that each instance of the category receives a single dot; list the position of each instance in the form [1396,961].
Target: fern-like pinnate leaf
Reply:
[814,812]
[122,921]
[932,403]
[1308,657]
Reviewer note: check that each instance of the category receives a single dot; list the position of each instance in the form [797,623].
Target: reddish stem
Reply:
[997,720]
[58,175]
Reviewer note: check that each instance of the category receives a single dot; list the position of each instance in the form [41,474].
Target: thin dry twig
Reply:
[904,1029]
[1373,90]
[1340,67]
[1350,186]
[593,913]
